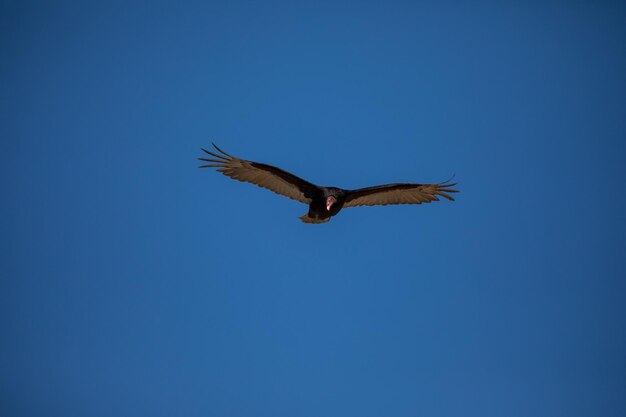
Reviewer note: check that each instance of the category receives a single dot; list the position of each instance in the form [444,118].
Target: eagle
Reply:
[323,202]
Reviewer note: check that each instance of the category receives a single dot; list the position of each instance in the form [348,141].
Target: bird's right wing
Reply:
[266,176]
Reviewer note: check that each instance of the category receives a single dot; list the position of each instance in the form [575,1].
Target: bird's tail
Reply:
[312,220]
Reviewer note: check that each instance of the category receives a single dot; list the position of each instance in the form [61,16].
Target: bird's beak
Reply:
[329,202]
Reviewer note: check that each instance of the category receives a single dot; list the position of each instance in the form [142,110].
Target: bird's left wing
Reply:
[382,195]
[266,176]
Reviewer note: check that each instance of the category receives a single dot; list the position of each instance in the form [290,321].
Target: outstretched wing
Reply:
[266,176]
[382,195]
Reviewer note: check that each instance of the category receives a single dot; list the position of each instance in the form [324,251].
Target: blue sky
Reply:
[134,283]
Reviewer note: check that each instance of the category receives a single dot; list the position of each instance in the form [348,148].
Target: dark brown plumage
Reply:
[324,202]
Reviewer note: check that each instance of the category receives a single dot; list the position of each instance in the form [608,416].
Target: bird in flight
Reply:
[324,202]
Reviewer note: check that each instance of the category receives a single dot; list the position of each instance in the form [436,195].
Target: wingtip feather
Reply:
[225,158]
[446,196]
[220,150]
[212,160]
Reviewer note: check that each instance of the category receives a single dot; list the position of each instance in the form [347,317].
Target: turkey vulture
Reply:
[324,202]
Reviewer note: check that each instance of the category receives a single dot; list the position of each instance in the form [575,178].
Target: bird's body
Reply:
[324,202]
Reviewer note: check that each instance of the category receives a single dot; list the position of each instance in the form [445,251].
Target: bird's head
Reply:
[330,200]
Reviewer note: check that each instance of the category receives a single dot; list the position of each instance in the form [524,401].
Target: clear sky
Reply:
[135,284]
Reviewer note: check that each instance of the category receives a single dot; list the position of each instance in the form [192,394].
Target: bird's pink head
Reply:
[330,200]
